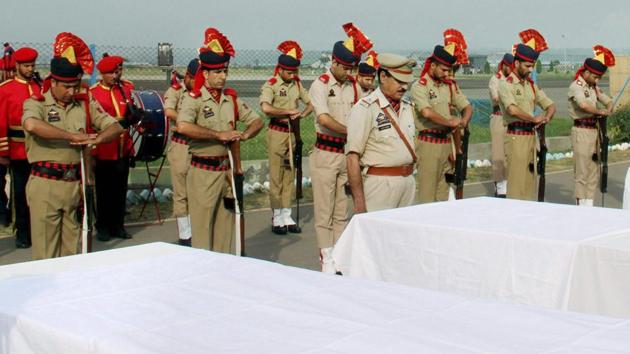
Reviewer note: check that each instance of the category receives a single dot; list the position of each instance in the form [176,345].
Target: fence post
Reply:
[93,76]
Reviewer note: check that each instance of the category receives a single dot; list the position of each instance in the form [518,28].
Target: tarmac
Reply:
[300,250]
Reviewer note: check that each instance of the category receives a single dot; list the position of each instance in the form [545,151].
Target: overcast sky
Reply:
[316,24]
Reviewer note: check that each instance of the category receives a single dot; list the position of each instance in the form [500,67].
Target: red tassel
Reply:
[579,72]
[46,84]
[174,82]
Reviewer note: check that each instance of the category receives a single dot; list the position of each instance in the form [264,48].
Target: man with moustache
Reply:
[380,154]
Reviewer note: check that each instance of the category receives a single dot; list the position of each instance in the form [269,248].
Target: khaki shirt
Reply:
[493,85]
[281,95]
[580,92]
[207,113]
[374,138]
[335,99]
[428,93]
[71,118]
[173,99]
[513,91]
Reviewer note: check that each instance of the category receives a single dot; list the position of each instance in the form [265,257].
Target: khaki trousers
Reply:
[211,223]
[497,139]
[586,171]
[432,165]
[520,152]
[388,192]
[281,176]
[179,161]
[328,177]
[55,230]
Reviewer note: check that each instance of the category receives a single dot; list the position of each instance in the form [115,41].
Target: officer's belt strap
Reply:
[56,171]
[404,171]
[587,122]
[400,133]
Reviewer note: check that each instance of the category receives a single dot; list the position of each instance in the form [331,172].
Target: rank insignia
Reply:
[53,116]
[587,94]
[282,93]
[432,95]
[331,93]
[518,92]
[382,122]
[207,112]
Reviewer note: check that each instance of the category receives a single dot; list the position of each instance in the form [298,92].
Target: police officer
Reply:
[518,97]
[433,95]
[584,96]
[380,150]
[178,154]
[497,129]
[333,94]
[367,73]
[111,170]
[208,116]
[55,125]
[13,93]
[279,101]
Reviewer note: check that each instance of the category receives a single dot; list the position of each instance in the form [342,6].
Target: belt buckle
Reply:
[69,175]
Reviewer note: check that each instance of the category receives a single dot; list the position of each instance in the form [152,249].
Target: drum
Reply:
[150,135]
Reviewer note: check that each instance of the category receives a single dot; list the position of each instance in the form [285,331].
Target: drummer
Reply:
[112,159]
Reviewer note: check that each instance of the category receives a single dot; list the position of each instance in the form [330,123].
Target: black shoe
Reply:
[122,233]
[501,196]
[187,243]
[22,243]
[103,235]
[338,273]
[279,230]
[294,229]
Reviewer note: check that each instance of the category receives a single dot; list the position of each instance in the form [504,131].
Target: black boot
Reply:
[279,230]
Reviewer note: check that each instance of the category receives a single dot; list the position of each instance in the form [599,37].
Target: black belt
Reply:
[521,127]
[210,163]
[56,171]
[14,133]
[585,123]
[330,143]
[433,134]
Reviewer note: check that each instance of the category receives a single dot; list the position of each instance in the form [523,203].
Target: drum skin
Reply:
[150,135]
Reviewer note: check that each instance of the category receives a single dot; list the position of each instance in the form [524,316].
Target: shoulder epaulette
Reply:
[5,82]
[367,100]
[578,82]
[422,81]
[498,75]
[324,78]
[194,94]
[509,79]
[272,81]
[406,100]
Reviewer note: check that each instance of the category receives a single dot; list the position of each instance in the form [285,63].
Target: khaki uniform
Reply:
[497,131]
[53,203]
[433,150]
[212,224]
[282,96]
[178,154]
[372,136]
[520,146]
[585,137]
[327,166]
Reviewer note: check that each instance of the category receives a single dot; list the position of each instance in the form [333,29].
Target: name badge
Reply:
[207,112]
[53,116]
[382,122]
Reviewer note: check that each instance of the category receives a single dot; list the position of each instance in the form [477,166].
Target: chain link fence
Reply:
[251,68]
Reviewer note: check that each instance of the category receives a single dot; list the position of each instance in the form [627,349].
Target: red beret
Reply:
[109,64]
[25,55]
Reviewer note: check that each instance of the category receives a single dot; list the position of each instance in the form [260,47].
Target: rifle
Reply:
[542,160]
[297,162]
[603,156]
[238,178]
[461,161]
[88,199]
